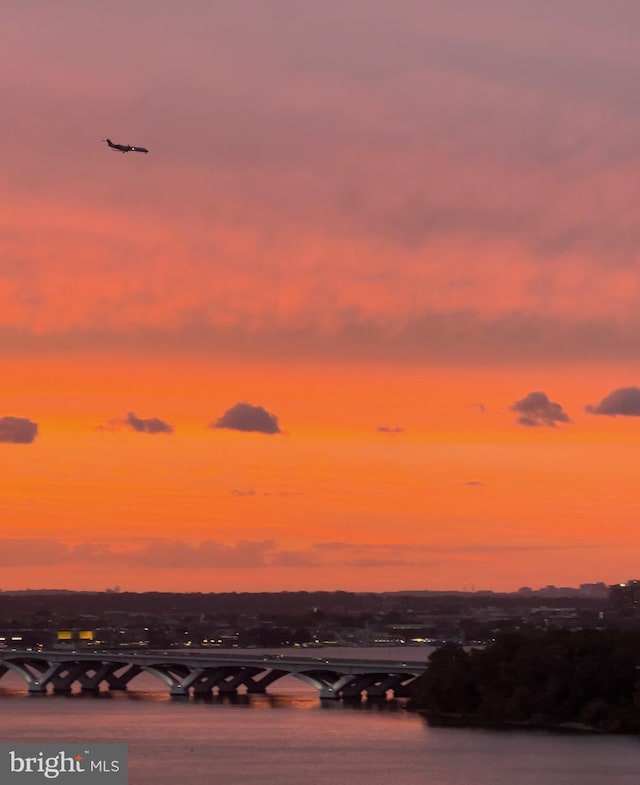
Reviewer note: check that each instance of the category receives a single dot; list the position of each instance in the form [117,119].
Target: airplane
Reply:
[125,148]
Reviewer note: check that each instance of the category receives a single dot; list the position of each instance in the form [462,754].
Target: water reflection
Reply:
[372,705]
[305,701]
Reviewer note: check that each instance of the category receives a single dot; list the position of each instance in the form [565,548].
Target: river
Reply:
[288,736]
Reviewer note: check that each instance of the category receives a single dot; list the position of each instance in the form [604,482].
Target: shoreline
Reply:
[454,720]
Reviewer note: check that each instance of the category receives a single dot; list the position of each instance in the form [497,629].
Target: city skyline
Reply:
[364,318]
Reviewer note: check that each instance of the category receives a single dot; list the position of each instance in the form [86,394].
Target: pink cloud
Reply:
[437,166]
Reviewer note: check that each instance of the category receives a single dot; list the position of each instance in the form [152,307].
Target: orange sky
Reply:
[409,235]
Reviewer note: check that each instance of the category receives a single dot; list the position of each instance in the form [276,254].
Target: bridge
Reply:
[222,673]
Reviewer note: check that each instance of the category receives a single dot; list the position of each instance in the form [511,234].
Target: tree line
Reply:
[585,679]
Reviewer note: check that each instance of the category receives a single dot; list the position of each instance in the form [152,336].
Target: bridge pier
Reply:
[119,683]
[351,694]
[259,685]
[230,684]
[64,677]
[92,676]
[203,689]
[378,688]
[203,681]
[376,694]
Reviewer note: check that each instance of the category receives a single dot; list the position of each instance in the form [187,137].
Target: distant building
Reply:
[598,590]
[73,638]
[624,598]
[24,638]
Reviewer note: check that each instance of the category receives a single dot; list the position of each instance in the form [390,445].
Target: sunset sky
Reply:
[366,317]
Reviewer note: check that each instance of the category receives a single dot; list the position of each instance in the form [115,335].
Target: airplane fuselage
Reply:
[125,148]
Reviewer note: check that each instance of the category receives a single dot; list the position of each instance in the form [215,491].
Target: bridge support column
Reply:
[376,694]
[203,690]
[92,677]
[259,686]
[116,685]
[118,682]
[66,674]
[378,690]
[328,693]
[178,691]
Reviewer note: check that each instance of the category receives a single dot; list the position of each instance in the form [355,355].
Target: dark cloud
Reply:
[507,548]
[148,425]
[31,552]
[140,425]
[245,554]
[333,547]
[624,401]
[92,553]
[479,406]
[17,430]
[474,484]
[158,554]
[251,492]
[462,336]
[245,417]
[356,551]
[294,559]
[373,555]
[178,554]
[536,410]
[390,429]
